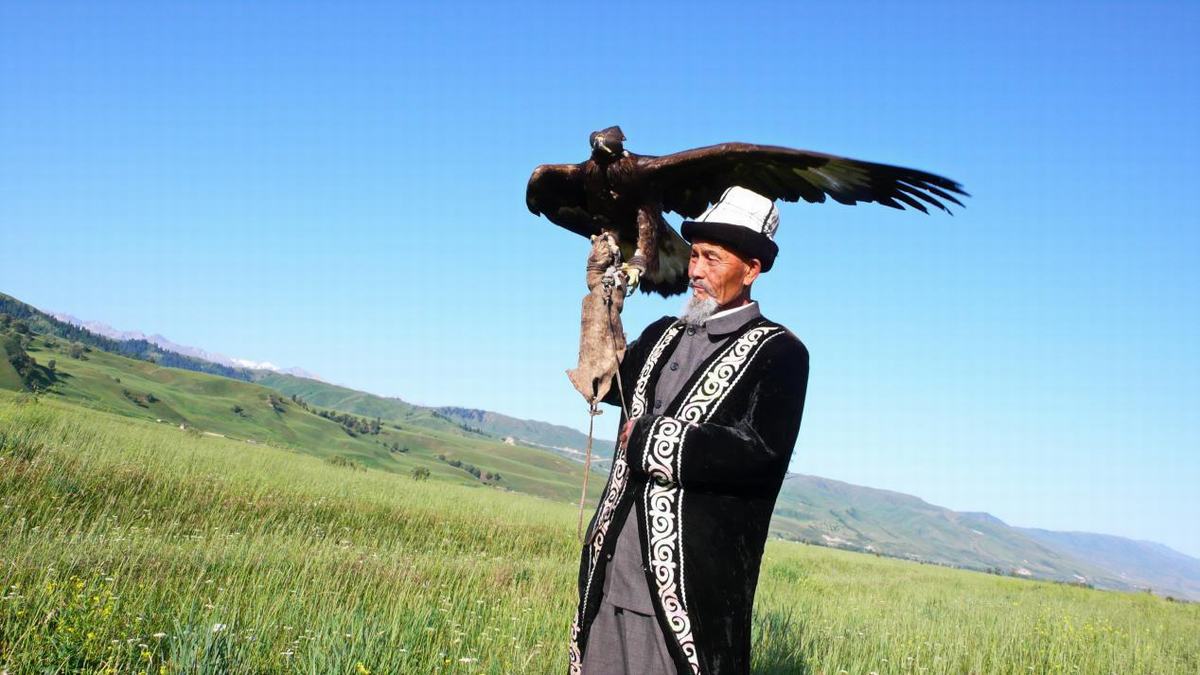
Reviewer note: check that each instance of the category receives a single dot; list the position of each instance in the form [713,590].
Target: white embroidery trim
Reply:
[710,390]
[616,488]
[662,457]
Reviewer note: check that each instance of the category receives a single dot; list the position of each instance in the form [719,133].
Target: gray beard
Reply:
[697,310]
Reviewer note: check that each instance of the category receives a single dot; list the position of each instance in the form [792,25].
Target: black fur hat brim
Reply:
[742,239]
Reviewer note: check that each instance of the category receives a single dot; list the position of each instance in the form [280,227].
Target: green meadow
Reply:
[173,397]
[129,546]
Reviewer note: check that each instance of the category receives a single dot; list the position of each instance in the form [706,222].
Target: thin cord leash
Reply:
[587,466]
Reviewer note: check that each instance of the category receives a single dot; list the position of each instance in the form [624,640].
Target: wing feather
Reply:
[919,194]
[691,180]
[911,202]
[558,192]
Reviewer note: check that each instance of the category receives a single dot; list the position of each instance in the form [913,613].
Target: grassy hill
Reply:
[527,431]
[1142,563]
[45,324]
[833,513]
[483,422]
[319,393]
[336,397]
[258,415]
[129,546]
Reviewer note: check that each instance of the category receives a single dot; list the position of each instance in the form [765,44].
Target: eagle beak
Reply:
[602,146]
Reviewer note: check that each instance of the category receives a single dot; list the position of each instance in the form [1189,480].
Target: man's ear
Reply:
[753,269]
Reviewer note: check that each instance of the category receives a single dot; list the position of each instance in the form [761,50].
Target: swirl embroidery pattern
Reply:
[614,490]
[723,374]
[576,663]
[664,521]
[661,443]
[662,457]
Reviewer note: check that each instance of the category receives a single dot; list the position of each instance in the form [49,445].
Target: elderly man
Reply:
[670,562]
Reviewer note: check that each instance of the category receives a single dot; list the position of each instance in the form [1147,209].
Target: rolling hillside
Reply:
[1140,563]
[220,406]
[45,324]
[335,397]
[487,423]
[832,513]
[527,431]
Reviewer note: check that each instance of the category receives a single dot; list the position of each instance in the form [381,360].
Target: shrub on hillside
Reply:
[344,462]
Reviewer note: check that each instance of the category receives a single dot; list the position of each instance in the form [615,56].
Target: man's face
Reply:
[720,273]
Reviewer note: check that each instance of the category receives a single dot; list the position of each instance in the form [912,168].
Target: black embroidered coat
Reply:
[703,477]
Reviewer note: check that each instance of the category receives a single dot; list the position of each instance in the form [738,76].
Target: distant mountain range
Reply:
[809,509]
[1141,564]
[108,331]
[832,513]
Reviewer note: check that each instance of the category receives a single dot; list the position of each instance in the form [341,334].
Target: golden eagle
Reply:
[624,194]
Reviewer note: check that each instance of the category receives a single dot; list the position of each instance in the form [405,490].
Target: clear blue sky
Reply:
[341,187]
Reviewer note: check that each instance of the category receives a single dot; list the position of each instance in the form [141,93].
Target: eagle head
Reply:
[607,144]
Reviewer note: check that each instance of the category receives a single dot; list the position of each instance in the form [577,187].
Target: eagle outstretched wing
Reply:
[558,192]
[627,193]
[689,181]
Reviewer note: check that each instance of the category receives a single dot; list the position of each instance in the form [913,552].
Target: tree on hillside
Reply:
[33,376]
[420,473]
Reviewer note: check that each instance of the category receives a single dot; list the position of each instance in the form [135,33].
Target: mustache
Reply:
[702,286]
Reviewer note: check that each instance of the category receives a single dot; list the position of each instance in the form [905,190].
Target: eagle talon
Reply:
[632,275]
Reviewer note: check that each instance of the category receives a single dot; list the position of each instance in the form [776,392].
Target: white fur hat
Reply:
[741,219]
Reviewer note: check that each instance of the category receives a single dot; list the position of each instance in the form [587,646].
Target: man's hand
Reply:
[625,431]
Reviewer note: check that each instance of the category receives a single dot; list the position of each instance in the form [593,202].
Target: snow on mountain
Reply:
[162,342]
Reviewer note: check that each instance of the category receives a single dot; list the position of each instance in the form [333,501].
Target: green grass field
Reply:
[129,546]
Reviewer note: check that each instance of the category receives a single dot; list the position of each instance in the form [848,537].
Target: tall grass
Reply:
[131,547]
